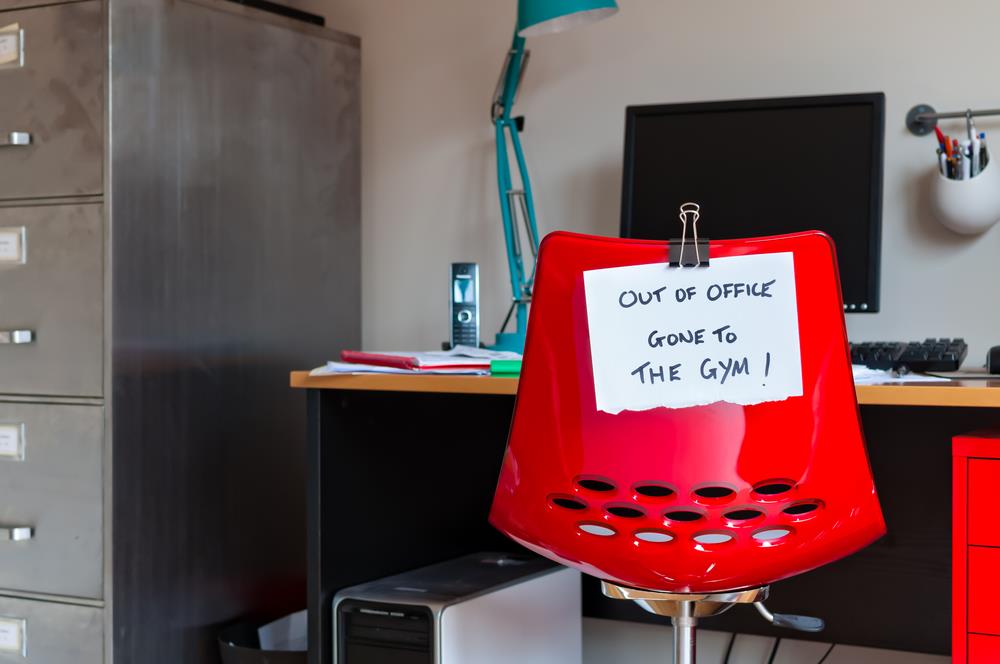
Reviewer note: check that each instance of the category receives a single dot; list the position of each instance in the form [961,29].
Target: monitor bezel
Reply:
[876,100]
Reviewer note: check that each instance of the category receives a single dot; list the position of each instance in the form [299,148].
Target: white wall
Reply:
[429,70]
[429,195]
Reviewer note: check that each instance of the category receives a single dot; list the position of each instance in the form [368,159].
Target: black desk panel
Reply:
[400,480]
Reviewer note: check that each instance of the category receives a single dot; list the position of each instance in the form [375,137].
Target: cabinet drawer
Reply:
[54,96]
[50,471]
[54,295]
[49,633]
[984,590]
[983,649]
[984,502]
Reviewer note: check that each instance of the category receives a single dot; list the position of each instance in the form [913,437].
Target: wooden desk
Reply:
[408,383]
[958,393]
[402,471]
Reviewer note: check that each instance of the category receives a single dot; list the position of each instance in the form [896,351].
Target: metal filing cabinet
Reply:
[179,227]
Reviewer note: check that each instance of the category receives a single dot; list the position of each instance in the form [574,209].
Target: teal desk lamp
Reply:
[534,18]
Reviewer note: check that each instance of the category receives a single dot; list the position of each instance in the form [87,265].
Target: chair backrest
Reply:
[694,499]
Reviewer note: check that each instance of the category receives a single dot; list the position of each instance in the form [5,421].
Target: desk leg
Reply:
[318,614]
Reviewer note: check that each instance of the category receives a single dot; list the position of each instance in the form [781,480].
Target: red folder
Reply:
[413,362]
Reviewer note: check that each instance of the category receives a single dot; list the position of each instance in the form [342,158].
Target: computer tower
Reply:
[487,608]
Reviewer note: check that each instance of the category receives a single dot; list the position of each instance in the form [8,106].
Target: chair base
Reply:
[684,610]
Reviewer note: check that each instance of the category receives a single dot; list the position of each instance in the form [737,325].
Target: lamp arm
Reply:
[511,76]
[529,205]
[506,125]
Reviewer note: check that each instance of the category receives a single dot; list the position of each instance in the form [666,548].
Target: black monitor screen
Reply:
[763,167]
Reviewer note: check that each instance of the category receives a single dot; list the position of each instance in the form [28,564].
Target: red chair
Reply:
[686,510]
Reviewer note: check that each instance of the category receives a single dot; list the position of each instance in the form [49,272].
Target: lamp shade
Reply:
[543,17]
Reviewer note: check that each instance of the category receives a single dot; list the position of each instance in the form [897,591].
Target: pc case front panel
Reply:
[377,633]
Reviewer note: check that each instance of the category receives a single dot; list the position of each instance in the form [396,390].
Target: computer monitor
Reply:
[764,167]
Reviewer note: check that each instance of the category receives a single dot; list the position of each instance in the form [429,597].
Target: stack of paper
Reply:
[462,360]
[865,376]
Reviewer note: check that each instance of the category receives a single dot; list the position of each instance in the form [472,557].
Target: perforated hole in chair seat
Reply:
[568,502]
[802,510]
[683,516]
[599,484]
[745,514]
[773,487]
[653,490]
[654,536]
[598,529]
[772,490]
[625,511]
[714,493]
[772,534]
[713,538]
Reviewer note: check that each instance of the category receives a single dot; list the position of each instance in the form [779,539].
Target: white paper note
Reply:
[681,337]
[12,635]
[11,245]
[11,441]
[10,45]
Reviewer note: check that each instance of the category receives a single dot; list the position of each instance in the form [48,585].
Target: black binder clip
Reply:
[689,254]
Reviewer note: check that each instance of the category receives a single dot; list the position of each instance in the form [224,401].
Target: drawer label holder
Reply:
[11,442]
[12,246]
[11,46]
[12,638]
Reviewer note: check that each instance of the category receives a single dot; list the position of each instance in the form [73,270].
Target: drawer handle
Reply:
[15,139]
[16,534]
[16,337]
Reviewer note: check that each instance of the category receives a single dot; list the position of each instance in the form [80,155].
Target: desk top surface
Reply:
[956,393]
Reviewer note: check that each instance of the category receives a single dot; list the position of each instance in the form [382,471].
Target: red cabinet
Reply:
[976,549]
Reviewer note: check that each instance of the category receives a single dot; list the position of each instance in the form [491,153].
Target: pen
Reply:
[943,163]
[963,167]
[974,155]
[940,136]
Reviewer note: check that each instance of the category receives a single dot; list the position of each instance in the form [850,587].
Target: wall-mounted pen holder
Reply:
[968,206]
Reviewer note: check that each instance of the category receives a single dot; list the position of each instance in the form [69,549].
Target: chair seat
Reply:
[705,499]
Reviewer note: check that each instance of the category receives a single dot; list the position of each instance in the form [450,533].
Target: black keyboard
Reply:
[927,355]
